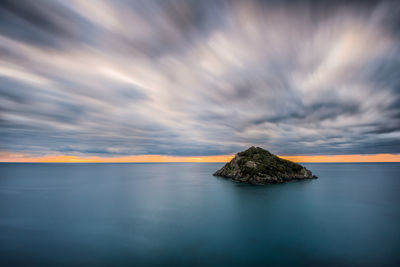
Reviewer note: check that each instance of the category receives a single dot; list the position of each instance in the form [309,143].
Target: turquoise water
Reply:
[179,214]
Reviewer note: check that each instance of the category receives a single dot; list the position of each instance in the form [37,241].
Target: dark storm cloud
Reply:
[199,77]
[38,22]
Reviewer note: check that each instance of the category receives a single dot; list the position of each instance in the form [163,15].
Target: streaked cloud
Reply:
[119,78]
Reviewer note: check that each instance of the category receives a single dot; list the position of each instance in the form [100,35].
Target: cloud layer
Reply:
[199,77]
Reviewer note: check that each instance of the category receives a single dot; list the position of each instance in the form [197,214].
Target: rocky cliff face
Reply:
[258,166]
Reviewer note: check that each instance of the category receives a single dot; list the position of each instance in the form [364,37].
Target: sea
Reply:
[178,214]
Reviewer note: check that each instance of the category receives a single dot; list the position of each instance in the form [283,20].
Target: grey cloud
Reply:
[39,22]
[199,77]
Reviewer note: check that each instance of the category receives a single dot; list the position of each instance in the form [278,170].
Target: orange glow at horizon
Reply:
[9,157]
[15,157]
[345,158]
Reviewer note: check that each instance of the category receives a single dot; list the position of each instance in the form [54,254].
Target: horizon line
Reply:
[349,158]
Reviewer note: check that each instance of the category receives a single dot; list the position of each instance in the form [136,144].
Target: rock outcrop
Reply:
[258,166]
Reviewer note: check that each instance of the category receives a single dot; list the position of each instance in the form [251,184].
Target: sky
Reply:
[119,79]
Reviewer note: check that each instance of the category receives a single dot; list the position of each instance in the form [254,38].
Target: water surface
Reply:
[179,214]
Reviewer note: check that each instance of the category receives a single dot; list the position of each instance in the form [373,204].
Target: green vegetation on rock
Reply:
[258,166]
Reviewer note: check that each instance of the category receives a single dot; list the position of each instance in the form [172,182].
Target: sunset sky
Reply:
[143,81]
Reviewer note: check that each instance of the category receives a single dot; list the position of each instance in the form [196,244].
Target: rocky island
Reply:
[258,166]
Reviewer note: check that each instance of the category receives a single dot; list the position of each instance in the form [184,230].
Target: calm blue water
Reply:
[179,214]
